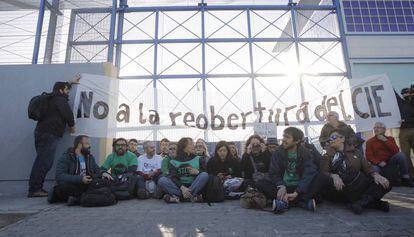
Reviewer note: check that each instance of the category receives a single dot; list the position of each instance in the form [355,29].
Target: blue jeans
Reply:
[168,186]
[399,159]
[46,145]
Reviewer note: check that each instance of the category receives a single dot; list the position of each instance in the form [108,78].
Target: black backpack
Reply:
[98,195]
[214,190]
[38,106]
[125,188]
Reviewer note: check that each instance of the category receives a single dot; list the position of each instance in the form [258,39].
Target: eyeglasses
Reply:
[334,137]
[120,145]
[172,148]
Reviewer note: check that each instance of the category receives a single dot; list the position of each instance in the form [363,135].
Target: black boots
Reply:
[357,207]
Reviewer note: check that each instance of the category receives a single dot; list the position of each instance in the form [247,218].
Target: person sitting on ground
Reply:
[271,144]
[352,178]
[149,168]
[120,161]
[334,123]
[133,146]
[164,144]
[255,160]
[223,164]
[233,150]
[293,177]
[202,150]
[172,154]
[75,170]
[382,150]
[186,178]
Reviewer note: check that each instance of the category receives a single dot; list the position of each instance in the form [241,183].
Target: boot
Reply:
[358,206]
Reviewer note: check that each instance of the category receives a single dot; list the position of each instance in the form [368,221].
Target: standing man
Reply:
[48,132]
[406,136]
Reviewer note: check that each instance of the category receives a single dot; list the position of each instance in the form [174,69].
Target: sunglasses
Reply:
[334,137]
[172,148]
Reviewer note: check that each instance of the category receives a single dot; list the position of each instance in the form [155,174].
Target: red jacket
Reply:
[378,151]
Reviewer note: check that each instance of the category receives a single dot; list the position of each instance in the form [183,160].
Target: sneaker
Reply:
[279,206]
[356,208]
[143,194]
[197,198]
[39,193]
[407,182]
[171,198]
[309,205]
[73,201]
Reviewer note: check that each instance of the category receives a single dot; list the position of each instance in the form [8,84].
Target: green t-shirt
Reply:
[120,164]
[182,171]
[291,177]
[164,165]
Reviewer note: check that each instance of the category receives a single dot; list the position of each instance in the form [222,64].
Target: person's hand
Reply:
[292,196]
[86,179]
[382,164]
[151,174]
[72,130]
[382,138]
[220,175]
[186,192]
[380,180]
[338,183]
[263,147]
[75,79]
[193,171]
[107,176]
[281,193]
[249,149]
[401,121]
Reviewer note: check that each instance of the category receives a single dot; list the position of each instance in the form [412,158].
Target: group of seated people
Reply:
[291,174]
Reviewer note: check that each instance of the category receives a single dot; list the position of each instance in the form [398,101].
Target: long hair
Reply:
[219,145]
[249,140]
[182,144]
[206,154]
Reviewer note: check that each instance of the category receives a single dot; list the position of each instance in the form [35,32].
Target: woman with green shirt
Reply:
[186,175]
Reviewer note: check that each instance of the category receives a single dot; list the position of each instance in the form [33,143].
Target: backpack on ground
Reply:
[98,195]
[38,106]
[253,199]
[125,187]
[214,191]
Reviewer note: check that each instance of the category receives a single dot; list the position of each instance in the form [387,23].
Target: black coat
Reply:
[68,168]
[406,111]
[247,166]
[230,166]
[306,168]
[58,115]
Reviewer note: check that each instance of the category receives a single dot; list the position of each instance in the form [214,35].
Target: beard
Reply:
[120,152]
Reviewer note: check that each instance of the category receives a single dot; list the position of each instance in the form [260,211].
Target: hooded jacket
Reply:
[68,168]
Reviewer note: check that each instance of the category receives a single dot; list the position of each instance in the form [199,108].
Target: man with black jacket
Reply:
[75,170]
[406,137]
[47,134]
[293,177]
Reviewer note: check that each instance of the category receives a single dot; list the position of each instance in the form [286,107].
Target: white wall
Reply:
[18,84]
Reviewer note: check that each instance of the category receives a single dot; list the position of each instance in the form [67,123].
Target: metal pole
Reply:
[203,65]
[51,33]
[154,79]
[343,39]
[119,34]
[38,31]
[111,43]
[249,32]
[70,36]
[296,42]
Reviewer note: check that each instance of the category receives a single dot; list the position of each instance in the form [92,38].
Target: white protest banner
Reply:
[373,100]
[107,107]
